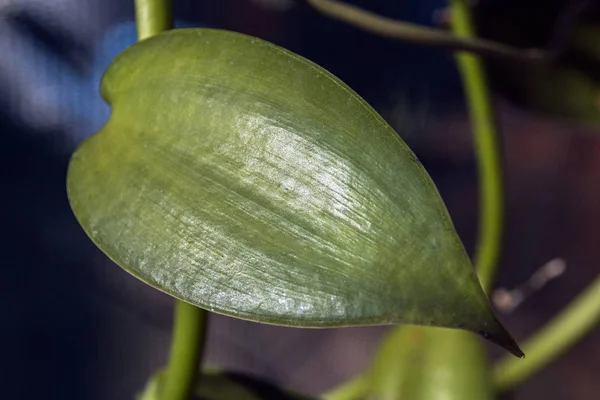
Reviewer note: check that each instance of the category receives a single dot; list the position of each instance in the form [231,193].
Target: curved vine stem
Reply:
[413,33]
[581,315]
[489,167]
[487,149]
[189,330]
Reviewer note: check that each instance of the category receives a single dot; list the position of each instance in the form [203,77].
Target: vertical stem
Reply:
[489,167]
[152,16]
[583,313]
[487,149]
[187,346]
[189,331]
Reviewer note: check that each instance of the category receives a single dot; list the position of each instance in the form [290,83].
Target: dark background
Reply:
[75,326]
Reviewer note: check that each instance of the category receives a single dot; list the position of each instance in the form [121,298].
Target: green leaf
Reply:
[424,363]
[225,386]
[246,180]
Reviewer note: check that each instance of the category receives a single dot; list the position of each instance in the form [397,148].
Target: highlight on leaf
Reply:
[244,179]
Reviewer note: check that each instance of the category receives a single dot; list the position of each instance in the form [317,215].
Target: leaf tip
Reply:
[500,336]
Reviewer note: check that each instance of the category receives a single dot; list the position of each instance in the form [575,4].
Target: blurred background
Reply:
[76,326]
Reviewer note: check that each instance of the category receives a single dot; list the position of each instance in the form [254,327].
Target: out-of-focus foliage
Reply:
[567,88]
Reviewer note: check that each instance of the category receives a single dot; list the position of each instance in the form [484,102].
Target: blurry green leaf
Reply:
[225,386]
[566,93]
[246,180]
[568,89]
[424,363]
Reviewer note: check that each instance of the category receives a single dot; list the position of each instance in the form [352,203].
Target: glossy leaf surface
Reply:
[425,363]
[246,180]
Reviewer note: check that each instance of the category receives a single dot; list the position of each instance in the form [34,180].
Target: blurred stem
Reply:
[579,317]
[413,33]
[152,16]
[189,331]
[352,390]
[487,149]
[187,346]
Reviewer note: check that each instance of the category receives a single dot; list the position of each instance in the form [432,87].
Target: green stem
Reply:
[487,149]
[152,16]
[578,318]
[189,331]
[187,347]
[355,389]
[413,33]
[488,160]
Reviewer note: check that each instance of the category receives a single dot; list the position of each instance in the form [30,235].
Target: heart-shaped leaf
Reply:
[425,363]
[246,180]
